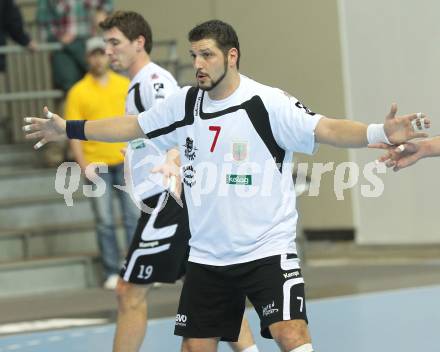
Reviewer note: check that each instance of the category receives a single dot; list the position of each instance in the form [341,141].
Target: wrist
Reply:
[75,129]
[376,134]
[426,149]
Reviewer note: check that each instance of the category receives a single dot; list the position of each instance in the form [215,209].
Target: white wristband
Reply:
[376,134]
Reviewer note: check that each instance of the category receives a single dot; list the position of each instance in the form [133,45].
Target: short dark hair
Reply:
[132,25]
[223,33]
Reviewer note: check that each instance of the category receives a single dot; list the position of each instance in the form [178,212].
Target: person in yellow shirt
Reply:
[100,94]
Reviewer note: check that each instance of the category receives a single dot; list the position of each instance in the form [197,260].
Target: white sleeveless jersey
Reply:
[151,86]
[236,159]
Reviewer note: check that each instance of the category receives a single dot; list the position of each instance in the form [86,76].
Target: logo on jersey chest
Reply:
[240,150]
[137,143]
[190,149]
[189,175]
[240,180]
[158,87]
[197,106]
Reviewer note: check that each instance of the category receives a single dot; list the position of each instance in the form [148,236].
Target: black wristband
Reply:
[75,129]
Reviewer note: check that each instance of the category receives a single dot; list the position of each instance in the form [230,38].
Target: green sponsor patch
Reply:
[137,143]
[245,180]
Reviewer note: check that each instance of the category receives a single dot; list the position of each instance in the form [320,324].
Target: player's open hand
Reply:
[171,177]
[400,129]
[401,156]
[49,129]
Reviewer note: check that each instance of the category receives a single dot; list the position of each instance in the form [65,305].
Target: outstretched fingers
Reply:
[419,121]
[393,111]
[40,143]
[34,135]
[395,153]
[405,162]
[384,158]
[387,156]
[419,135]
[379,146]
[31,128]
[32,124]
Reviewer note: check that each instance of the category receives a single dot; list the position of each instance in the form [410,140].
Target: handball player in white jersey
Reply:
[236,136]
[159,250]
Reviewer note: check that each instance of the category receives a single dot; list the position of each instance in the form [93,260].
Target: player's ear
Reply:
[233,57]
[140,43]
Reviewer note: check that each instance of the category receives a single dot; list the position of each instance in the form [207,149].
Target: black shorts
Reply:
[213,298]
[159,250]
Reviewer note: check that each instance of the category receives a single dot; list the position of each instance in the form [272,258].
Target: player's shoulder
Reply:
[180,94]
[275,100]
[176,100]
[158,73]
[270,96]
[153,75]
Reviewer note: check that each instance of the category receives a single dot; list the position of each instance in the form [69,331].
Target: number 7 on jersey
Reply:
[217,130]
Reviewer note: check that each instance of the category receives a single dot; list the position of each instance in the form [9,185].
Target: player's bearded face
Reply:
[210,81]
[210,64]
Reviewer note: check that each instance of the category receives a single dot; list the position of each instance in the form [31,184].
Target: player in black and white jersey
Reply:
[159,250]
[236,138]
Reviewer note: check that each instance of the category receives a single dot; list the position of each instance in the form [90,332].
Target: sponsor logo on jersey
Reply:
[292,274]
[181,320]
[241,180]
[148,244]
[190,150]
[137,143]
[240,150]
[305,108]
[197,106]
[154,76]
[189,175]
[158,87]
[269,309]
[299,105]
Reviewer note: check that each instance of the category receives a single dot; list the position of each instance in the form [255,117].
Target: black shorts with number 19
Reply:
[159,250]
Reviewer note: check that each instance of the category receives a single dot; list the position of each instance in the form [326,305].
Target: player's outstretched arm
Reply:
[353,134]
[408,153]
[53,128]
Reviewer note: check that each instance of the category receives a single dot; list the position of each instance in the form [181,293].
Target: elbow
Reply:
[326,132]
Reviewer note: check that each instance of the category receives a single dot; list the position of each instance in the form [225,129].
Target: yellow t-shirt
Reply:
[90,100]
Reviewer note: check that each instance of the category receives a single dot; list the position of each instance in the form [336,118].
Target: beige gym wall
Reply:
[293,45]
[391,54]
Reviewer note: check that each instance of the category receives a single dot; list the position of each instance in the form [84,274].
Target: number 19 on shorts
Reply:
[145,272]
